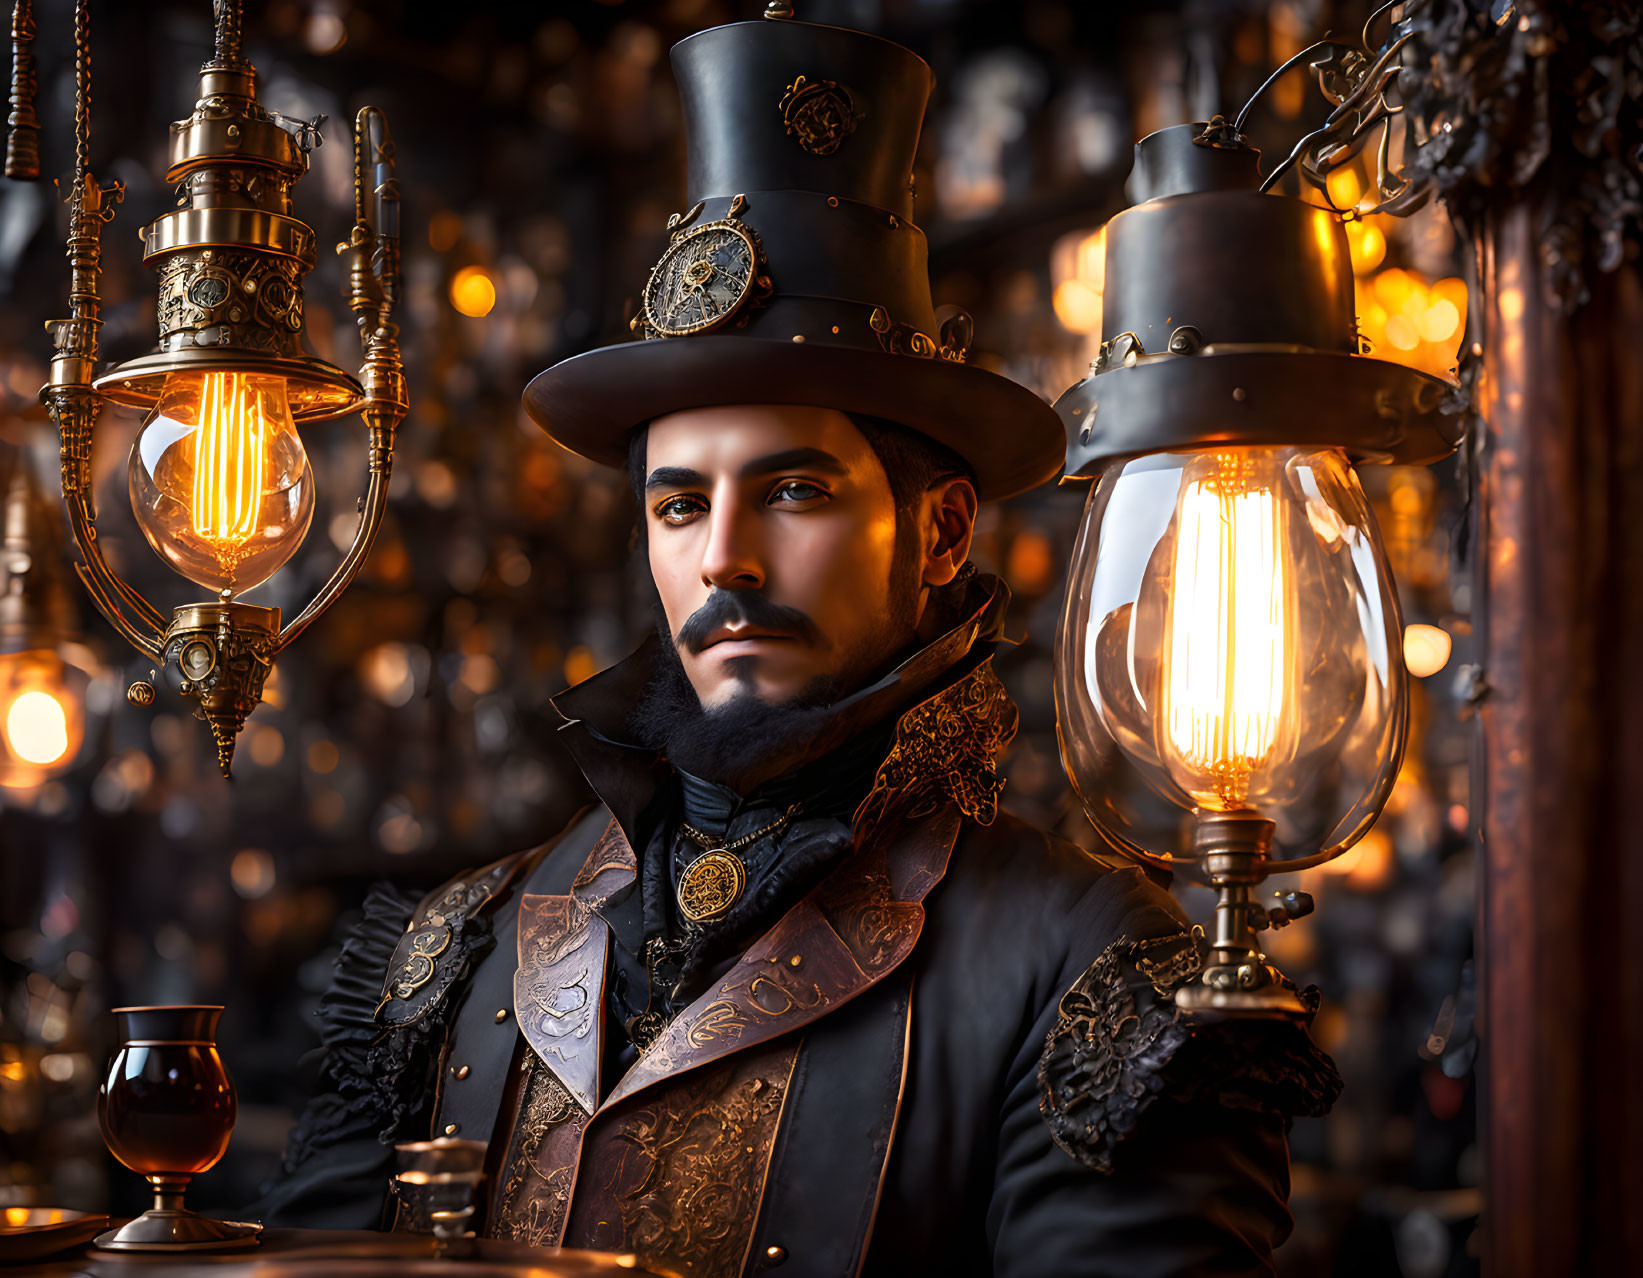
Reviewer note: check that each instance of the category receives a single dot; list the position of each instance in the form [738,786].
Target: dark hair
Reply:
[913,463]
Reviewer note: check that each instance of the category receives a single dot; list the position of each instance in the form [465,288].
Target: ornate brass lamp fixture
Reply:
[220,482]
[1231,696]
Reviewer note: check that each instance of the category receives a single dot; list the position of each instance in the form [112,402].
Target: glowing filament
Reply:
[1227,640]
[231,452]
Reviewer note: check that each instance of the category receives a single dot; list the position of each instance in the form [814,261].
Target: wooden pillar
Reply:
[1560,527]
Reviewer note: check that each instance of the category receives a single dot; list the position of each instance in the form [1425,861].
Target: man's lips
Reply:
[745,634]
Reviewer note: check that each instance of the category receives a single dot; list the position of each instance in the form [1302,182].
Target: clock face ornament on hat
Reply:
[796,274]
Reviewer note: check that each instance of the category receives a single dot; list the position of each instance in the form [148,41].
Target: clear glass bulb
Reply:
[220,481]
[1231,641]
[42,716]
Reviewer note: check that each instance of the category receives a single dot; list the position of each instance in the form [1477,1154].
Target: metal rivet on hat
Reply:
[451,1129]
[501,1015]
[462,1071]
[774,1255]
[832,201]
[798,337]
[835,328]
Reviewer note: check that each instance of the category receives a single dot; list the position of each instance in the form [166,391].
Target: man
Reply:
[798,992]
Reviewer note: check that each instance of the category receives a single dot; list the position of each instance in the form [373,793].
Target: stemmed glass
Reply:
[167,1110]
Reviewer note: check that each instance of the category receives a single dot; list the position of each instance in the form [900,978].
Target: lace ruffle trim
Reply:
[374,1080]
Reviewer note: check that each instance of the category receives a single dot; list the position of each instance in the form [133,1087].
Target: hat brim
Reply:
[1011,438]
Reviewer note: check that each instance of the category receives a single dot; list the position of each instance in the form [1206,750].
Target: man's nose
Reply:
[733,558]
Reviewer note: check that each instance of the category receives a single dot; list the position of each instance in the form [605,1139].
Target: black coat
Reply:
[1044,1109]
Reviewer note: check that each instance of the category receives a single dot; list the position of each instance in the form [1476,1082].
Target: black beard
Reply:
[729,742]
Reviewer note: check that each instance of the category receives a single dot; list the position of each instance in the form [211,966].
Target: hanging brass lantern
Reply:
[220,482]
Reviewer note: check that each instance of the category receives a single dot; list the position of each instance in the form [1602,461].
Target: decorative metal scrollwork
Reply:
[819,114]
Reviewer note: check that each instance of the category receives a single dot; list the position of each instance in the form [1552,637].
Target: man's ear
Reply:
[949,520]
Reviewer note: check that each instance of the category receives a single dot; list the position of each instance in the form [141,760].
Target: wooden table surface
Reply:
[345,1253]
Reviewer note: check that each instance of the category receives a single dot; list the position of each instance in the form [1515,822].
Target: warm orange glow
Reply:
[1229,632]
[1367,865]
[1425,649]
[1400,333]
[1344,186]
[37,728]
[1368,247]
[1440,321]
[1411,322]
[42,715]
[1092,259]
[1077,306]
[1393,288]
[473,292]
[220,481]
[231,446]
[1078,274]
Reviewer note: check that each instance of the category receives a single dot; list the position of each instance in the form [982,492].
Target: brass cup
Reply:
[437,1184]
[167,1110]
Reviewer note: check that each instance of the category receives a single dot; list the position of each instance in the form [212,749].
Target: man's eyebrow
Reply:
[675,477]
[795,459]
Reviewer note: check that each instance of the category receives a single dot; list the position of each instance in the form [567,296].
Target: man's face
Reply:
[771,532]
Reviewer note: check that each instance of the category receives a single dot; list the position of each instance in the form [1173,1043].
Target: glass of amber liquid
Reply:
[167,1110]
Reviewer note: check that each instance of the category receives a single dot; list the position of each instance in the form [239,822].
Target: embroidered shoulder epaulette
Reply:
[1120,1043]
[435,951]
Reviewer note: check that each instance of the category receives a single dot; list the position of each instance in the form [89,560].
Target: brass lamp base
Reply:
[224,652]
[1268,999]
[179,1230]
[1234,849]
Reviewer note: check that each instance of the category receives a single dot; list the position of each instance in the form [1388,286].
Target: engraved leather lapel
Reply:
[559,986]
[843,938]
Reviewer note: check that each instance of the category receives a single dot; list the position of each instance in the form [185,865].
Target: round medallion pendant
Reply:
[702,279]
[711,884]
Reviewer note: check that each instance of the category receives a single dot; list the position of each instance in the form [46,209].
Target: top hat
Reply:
[797,275]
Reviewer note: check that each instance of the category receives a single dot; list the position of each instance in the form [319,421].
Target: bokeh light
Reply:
[473,292]
[1425,649]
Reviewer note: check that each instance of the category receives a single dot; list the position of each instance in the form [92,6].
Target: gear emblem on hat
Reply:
[819,114]
[706,277]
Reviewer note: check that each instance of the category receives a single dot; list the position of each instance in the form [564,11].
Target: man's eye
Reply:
[678,510]
[795,491]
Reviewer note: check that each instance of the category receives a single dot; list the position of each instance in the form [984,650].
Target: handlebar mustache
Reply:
[750,608]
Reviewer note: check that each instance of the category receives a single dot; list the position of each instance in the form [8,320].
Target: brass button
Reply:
[501,1015]
[774,1255]
[795,961]
[450,1129]
[462,1071]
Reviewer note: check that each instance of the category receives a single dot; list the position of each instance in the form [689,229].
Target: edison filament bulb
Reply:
[1231,643]
[220,481]
[1227,707]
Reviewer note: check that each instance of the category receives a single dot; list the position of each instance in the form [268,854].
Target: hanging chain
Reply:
[22,125]
[82,89]
[230,55]
[710,844]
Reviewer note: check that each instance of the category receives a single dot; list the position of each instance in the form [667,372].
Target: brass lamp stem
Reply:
[1234,849]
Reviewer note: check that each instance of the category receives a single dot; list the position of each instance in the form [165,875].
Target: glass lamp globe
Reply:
[220,482]
[1231,644]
